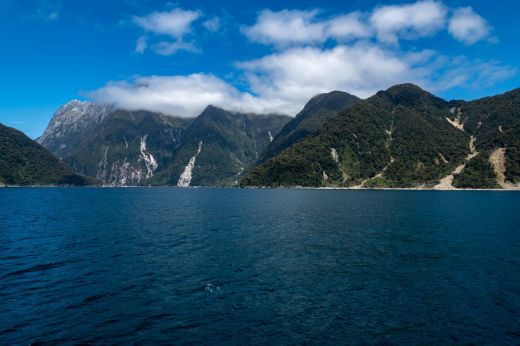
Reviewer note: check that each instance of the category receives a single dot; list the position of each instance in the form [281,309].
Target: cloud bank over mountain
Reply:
[309,52]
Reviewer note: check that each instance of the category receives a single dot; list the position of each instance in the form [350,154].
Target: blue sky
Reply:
[263,56]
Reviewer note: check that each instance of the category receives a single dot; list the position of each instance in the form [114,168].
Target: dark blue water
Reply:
[213,266]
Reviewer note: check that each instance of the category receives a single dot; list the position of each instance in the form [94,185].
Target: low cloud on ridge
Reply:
[366,58]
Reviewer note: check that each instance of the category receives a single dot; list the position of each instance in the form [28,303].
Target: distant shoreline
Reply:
[264,188]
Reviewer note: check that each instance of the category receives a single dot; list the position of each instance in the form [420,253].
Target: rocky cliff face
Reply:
[400,137]
[70,122]
[121,148]
[117,147]
[218,146]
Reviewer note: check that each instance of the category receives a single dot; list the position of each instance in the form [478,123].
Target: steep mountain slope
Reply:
[127,147]
[315,113]
[25,162]
[397,138]
[70,123]
[494,122]
[218,146]
[118,147]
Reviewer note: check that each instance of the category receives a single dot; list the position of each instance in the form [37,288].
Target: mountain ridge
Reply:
[24,162]
[400,137]
[313,115]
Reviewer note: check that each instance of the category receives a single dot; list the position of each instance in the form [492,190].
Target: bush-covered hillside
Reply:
[25,162]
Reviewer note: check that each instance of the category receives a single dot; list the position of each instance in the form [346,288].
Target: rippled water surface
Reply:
[182,266]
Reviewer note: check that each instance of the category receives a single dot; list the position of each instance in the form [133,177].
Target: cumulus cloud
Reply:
[294,27]
[175,23]
[361,59]
[183,96]
[348,26]
[286,27]
[422,18]
[173,30]
[387,24]
[297,74]
[467,26]
[283,82]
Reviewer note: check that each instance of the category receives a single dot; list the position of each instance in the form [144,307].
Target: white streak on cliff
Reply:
[185,178]
[149,160]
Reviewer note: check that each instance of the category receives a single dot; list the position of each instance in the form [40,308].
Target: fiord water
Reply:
[215,266]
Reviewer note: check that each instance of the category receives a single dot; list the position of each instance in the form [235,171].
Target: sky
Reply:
[251,56]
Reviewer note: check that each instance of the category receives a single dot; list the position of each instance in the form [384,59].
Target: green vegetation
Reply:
[404,123]
[478,174]
[315,113]
[230,143]
[404,136]
[495,122]
[25,162]
[377,183]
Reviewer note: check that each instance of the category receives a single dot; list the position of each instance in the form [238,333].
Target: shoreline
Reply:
[262,188]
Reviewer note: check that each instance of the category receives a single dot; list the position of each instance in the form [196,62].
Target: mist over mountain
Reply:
[121,148]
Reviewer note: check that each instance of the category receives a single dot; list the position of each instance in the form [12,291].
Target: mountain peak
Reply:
[408,94]
[212,108]
[70,120]
[333,101]
[405,86]
[212,111]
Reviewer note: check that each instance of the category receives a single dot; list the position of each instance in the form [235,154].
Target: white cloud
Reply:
[422,18]
[467,26]
[348,26]
[296,75]
[388,24]
[293,27]
[363,58]
[184,96]
[286,27]
[141,44]
[283,82]
[175,23]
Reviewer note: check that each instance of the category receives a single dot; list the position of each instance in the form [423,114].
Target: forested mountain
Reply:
[122,148]
[315,113]
[495,123]
[218,146]
[25,162]
[400,137]
[404,137]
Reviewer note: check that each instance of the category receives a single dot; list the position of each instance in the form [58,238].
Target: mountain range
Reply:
[402,137]
[405,137]
[121,148]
